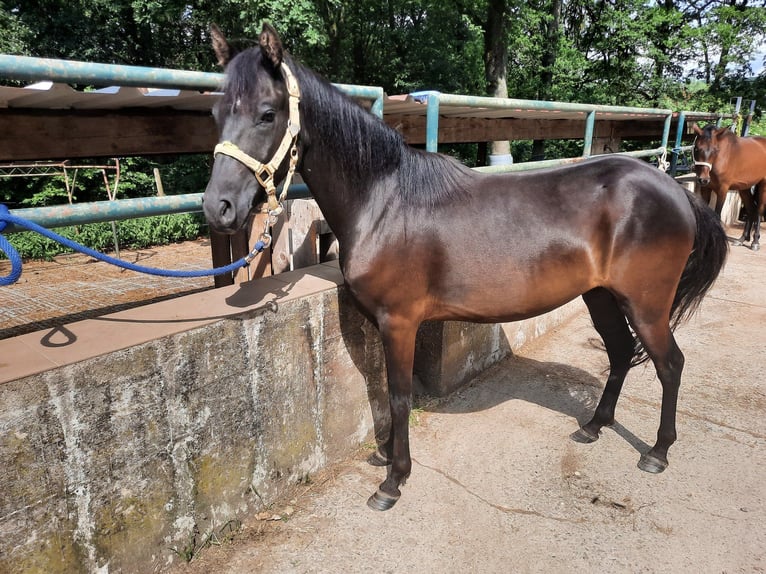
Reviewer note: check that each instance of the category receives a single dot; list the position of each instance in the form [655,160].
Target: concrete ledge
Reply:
[122,437]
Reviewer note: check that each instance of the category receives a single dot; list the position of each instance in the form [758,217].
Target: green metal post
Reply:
[590,123]
[432,122]
[680,128]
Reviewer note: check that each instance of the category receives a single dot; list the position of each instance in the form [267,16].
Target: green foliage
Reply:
[133,234]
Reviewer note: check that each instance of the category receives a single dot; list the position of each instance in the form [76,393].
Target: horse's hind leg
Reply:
[752,214]
[611,324]
[658,340]
[760,204]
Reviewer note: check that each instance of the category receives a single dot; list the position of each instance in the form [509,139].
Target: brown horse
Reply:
[724,161]
[423,237]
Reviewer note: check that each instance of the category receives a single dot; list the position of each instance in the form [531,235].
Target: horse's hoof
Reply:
[381,501]
[755,246]
[737,242]
[652,464]
[583,437]
[378,459]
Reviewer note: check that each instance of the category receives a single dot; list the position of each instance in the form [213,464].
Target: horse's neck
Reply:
[344,179]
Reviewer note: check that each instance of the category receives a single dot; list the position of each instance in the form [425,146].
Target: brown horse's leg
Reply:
[611,324]
[750,208]
[399,347]
[760,204]
[720,199]
[668,359]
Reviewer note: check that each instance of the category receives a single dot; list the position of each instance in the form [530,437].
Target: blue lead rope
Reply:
[16,262]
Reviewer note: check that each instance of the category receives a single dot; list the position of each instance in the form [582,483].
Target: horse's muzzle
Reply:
[221,214]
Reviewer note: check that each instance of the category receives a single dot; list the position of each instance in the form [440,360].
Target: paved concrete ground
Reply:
[497,486]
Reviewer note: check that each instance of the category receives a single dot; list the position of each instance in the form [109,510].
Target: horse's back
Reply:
[544,237]
[620,189]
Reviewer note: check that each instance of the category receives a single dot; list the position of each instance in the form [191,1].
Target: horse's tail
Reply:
[705,262]
[702,268]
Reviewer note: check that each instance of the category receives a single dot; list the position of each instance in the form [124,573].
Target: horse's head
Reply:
[258,126]
[705,150]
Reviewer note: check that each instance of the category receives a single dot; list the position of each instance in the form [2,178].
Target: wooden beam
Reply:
[69,134]
[471,130]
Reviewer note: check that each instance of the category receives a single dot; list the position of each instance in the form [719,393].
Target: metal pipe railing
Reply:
[435,99]
[76,72]
[103,211]
[530,165]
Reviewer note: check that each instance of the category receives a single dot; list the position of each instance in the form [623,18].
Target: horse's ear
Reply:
[271,45]
[696,129]
[223,50]
[722,131]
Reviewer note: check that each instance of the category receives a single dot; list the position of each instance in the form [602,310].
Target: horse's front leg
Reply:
[720,198]
[398,335]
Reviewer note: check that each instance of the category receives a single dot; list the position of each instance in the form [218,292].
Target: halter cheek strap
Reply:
[264,172]
[702,163]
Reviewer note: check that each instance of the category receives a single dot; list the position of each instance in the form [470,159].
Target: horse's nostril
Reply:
[226,213]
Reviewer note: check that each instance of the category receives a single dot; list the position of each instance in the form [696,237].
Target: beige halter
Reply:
[264,172]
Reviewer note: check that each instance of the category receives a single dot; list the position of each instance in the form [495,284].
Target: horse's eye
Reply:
[268,117]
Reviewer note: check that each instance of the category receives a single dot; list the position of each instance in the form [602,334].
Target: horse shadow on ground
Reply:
[558,387]
[554,386]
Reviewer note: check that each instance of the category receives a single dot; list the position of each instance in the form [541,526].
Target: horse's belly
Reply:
[512,297]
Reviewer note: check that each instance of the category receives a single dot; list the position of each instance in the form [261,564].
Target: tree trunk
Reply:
[496,59]
[551,34]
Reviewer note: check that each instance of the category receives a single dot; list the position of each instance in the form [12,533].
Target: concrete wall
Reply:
[108,463]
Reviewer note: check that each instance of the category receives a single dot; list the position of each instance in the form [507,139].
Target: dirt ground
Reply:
[76,286]
[497,486]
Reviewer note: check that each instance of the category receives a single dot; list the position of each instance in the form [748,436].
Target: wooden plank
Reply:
[57,134]
[280,245]
[241,244]
[220,248]
[304,222]
[67,134]
[261,265]
[465,130]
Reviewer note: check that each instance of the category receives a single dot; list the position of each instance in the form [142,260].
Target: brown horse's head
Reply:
[257,134]
[705,151]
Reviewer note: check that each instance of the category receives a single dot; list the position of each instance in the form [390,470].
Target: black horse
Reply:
[423,237]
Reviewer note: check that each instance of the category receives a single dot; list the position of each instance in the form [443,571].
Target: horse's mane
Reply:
[365,148]
[368,149]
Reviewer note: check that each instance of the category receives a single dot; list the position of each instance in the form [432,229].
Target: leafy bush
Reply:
[132,234]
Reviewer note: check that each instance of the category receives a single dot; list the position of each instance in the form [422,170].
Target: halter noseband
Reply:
[264,172]
[702,163]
